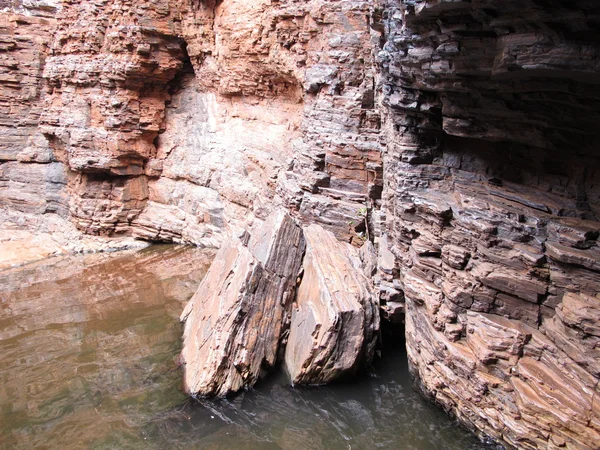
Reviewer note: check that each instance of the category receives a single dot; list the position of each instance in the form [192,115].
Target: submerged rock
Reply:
[335,321]
[235,321]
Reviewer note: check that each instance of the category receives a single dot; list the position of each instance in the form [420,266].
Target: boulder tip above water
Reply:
[235,321]
[335,319]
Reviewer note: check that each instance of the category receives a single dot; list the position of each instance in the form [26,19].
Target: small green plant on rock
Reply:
[363,216]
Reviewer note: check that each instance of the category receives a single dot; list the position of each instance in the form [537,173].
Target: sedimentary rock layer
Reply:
[184,120]
[31,180]
[335,318]
[491,198]
[234,322]
[187,121]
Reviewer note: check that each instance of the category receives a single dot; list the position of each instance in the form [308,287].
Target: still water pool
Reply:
[88,359]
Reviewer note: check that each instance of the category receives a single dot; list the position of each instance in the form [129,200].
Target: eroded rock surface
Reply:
[235,321]
[490,111]
[185,121]
[31,179]
[335,319]
[466,129]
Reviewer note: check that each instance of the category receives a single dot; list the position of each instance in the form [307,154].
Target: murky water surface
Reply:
[88,349]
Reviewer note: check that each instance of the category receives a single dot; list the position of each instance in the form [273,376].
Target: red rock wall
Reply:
[183,120]
[31,181]
[492,203]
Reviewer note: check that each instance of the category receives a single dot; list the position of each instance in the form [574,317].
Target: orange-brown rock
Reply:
[234,323]
[335,318]
[460,135]
[31,181]
[263,103]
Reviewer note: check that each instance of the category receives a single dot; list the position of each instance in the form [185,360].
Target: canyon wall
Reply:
[32,181]
[186,121]
[492,197]
[460,136]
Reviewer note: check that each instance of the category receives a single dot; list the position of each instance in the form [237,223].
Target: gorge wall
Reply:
[463,134]
[491,195]
[177,121]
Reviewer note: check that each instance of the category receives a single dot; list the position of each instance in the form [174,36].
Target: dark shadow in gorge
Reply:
[176,84]
[376,409]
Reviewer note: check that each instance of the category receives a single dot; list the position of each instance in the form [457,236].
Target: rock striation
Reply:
[335,320]
[31,180]
[186,121]
[491,208]
[246,315]
[235,322]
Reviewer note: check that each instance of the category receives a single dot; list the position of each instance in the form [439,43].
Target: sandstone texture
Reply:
[491,200]
[27,238]
[335,319]
[234,323]
[31,179]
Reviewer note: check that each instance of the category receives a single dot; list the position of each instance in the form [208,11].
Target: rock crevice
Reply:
[235,322]
[246,315]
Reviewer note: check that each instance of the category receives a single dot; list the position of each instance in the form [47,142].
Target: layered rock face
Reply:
[461,135]
[335,321]
[185,121]
[492,205]
[31,180]
[236,319]
[246,316]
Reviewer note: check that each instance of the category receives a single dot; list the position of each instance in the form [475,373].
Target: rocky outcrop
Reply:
[107,78]
[235,322]
[158,117]
[31,180]
[335,319]
[19,247]
[492,210]
[189,121]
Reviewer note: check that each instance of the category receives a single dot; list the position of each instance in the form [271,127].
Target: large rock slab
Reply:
[235,321]
[335,321]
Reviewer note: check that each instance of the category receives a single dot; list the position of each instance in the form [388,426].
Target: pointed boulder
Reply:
[235,321]
[335,321]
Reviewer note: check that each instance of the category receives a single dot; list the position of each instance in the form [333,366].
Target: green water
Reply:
[88,359]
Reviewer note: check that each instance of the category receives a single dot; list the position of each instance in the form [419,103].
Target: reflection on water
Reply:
[88,349]
[87,346]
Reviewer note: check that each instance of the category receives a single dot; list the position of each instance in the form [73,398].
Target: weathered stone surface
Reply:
[28,237]
[31,179]
[186,121]
[264,103]
[492,211]
[235,321]
[335,319]
[575,330]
